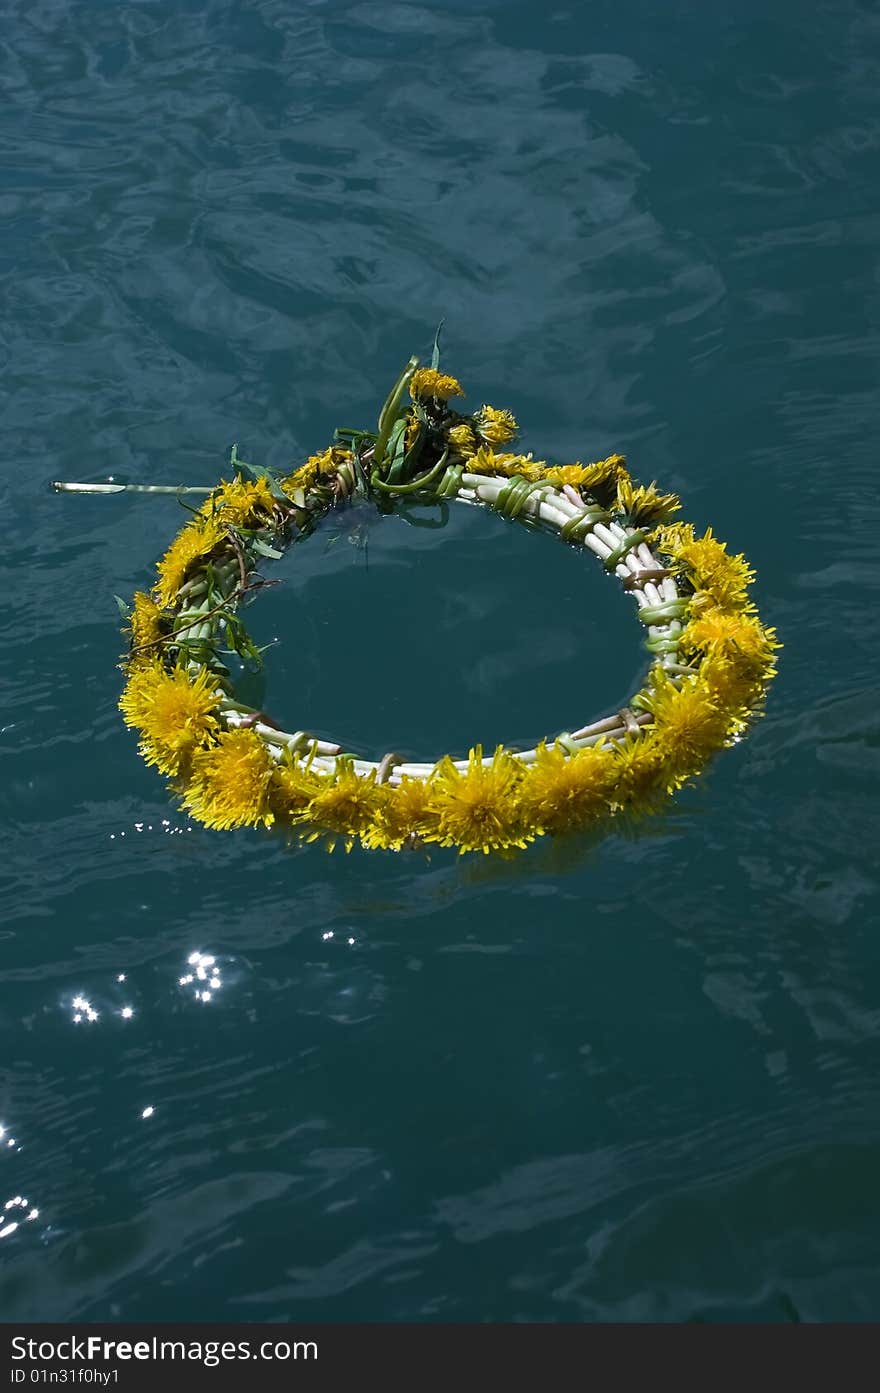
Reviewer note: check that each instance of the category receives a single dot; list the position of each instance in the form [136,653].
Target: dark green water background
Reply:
[631,1081]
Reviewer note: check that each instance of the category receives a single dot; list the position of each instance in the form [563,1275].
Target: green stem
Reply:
[451,481]
[512,498]
[632,539]
[663,613]
[388,414]
[578,526]
[424,482]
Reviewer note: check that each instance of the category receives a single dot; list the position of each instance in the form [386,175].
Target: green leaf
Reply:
[253,473]
[238,638]
[188,506]
[396,452]
[351,433]
[263,549]
[124,609]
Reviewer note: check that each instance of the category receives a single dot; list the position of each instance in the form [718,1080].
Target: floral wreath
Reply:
[231,766]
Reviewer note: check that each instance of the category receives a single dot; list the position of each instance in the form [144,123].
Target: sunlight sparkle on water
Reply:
[328,934]
[11,1215]
[18,1202]
[81,1007]
[206,970]
[148,827]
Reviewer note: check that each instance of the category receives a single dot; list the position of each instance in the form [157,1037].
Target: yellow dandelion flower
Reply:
[739,654]
[318,469]
[703,602]
[462,440]
[688,725]
[292,787]
[428,382]
[737,692]
[605,474]
[229,783]
[488,461]
[198,539]
[642,773]
[740,635]
[572,474]
[531,469]
[137,696]
[145,622]
[478,809]
[175,714]
[670,537]
[403,815]
[241,503]
[600,477]
[495,427]
[710,569]
[305,477]
[561,793]
[343,807]
[644,505]
[413,426]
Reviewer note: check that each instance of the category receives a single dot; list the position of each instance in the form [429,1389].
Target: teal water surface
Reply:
[634,1079]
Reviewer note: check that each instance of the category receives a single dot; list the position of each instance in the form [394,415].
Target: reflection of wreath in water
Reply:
[232,767]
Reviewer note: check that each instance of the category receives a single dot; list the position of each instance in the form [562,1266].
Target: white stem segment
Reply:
[59,487]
